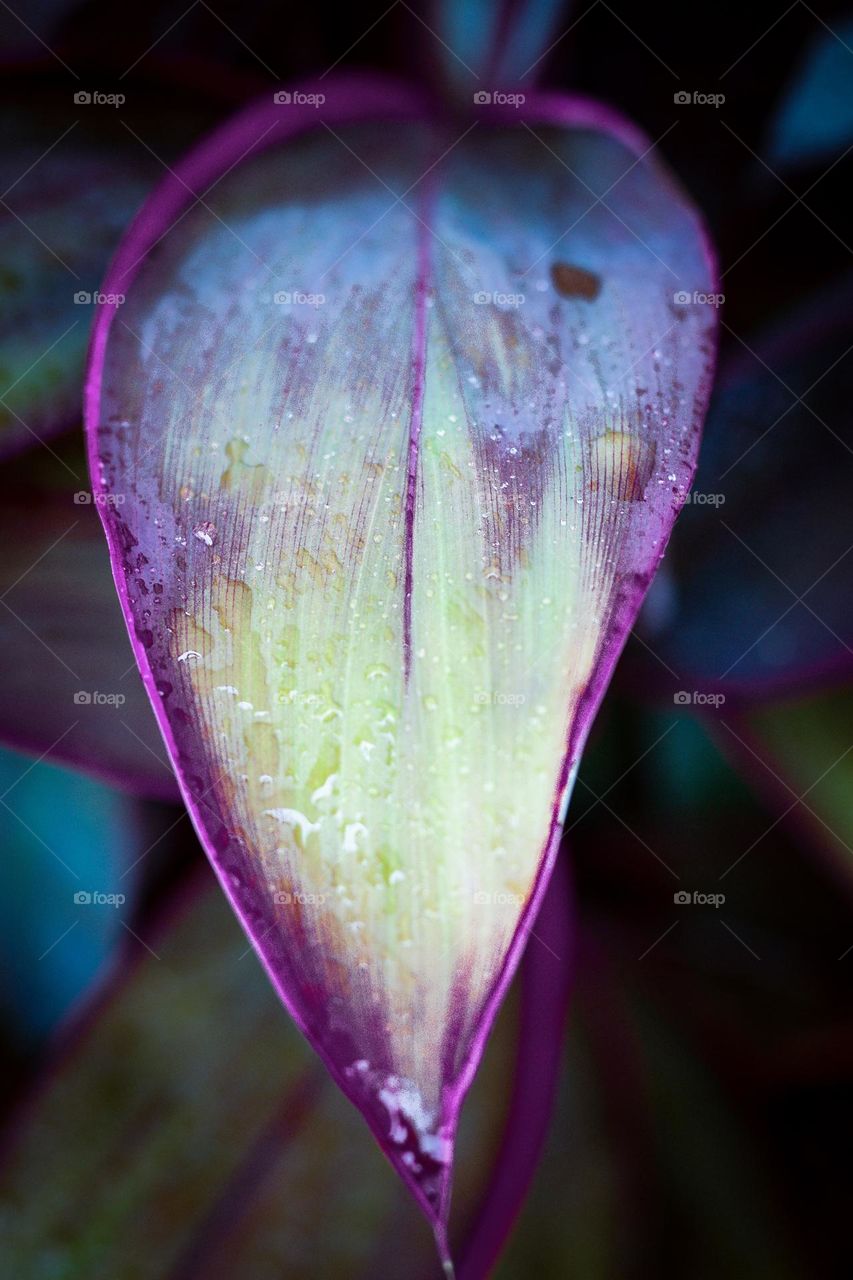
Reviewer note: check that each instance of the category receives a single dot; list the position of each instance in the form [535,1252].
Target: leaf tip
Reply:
[440,1231]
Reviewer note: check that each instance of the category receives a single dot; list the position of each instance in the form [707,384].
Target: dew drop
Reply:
[206,533]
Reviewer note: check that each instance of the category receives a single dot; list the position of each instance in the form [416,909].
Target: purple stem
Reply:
[235,1199]
[547,981]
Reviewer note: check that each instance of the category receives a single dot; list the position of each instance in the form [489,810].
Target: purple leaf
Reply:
[547,978]
[795,753]
[494,46]
[402,413]
[814,120]
[185,1039]
[755,599]
[65,201]
[73,694]
[72,174]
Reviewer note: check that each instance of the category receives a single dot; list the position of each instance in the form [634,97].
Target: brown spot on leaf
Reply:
[620,465]
[575,282]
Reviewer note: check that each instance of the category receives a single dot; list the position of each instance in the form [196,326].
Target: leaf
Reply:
[755,600]
[799,754]
[72,174]
[547,977]
[228,1150]
[670,1059]
[815,118]
[74,695]
[17,38]
[54,946]
[379,543]
[494,47]
[65,203]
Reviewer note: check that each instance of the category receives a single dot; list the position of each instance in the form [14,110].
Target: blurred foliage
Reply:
[226,1140]
[62,835]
